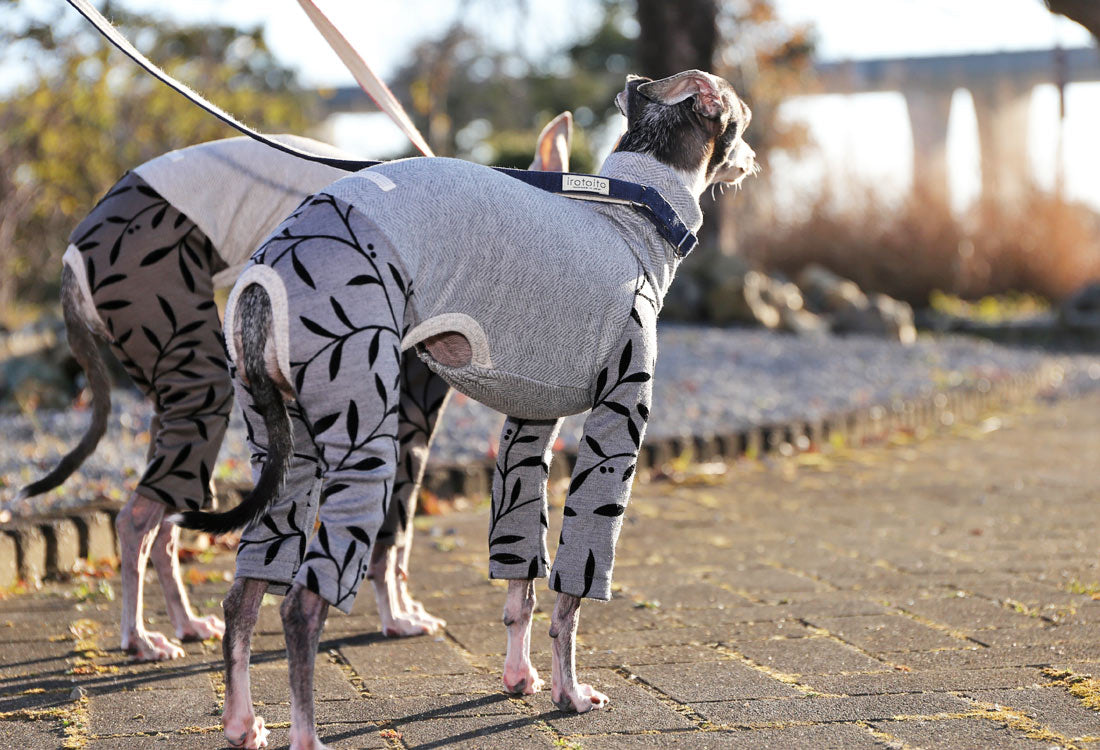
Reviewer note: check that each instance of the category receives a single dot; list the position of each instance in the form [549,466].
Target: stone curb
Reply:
[39,548]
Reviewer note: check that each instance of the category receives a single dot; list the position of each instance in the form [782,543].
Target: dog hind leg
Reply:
[138,524]
[165,557]
[304,614]
[240,724]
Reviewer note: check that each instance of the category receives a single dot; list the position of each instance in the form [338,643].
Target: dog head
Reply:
[694,122]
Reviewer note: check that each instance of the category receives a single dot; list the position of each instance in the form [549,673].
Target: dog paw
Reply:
[406,627]
[151,646]
[252,736]
[522,681]
[201,628]
[581,699]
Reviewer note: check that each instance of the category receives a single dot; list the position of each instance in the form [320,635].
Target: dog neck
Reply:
[657,256]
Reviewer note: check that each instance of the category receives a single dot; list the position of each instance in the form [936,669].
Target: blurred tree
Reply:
[84,115]
[676,36]
[1084,12]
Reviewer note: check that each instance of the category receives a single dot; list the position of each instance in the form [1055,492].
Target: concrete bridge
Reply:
[1000,84]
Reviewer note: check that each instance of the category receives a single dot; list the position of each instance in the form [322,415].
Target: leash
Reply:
[646,199]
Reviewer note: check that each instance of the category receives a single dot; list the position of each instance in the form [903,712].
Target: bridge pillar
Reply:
[1002,109]
[929,111]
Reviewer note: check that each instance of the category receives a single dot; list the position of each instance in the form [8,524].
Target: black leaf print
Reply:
[114,304]
[624,358]
[617,408]
[589,573]
[530,461]
[158,217]
[363,280]
[380,387]
[372,351]
[117,220]
[397,278]
[353,421]
[506,558]
[317,328]
[156,255]
[359,534]
[634,314]
[164,306]
[322,537]
[299,379]
[315,555]
[332,489]
[149,334]
[191,327]
[273,550]
[644,411]
[634,434]
[525,439]
[115,248]
[545,521]
[506,539]
[349,555]
[515,492]
[595,446]
[86,246]
[179,221]
[90,273]
[339,310]
[611,510]
[601,381]
[80,240]
[172,398]
[637,377]
[557,582]
[325,422]
[299,269]
[628,473]
[311,582]
[533,568]
[112,279]
[578,480]
[146,190]
[188,279]
[567,512]
[373,462]
[181,457]
[334,359]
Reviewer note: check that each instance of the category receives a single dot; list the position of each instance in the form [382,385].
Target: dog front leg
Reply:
[165,556]
[242,608]
[137,525]
[566,693]
[423,398]
[304,615]
[520,676]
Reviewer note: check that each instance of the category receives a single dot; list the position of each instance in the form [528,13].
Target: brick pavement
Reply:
[926,593]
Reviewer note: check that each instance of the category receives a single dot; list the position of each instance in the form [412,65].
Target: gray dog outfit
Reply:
[149,257]
[558,299]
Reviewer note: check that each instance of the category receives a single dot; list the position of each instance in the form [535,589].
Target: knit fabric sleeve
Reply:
[607,459]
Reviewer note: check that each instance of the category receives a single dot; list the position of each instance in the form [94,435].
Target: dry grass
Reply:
[1046,247]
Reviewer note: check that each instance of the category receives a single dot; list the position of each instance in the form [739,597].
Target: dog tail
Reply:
[82,343]
[254,321]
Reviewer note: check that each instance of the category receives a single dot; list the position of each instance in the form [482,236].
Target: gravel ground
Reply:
[709,380]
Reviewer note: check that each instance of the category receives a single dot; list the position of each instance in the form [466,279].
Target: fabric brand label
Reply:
[585,184]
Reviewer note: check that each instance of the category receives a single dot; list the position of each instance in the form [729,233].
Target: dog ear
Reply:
[691,83]
[554,144]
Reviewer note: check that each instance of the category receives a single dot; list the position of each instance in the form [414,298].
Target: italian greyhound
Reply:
[140,273]
[538,305]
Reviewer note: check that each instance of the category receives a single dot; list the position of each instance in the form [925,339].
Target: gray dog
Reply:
[537,305]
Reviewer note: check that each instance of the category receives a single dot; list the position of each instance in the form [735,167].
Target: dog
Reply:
[535,304]
[206,207]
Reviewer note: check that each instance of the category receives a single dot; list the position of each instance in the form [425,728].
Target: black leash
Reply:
[572,185]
